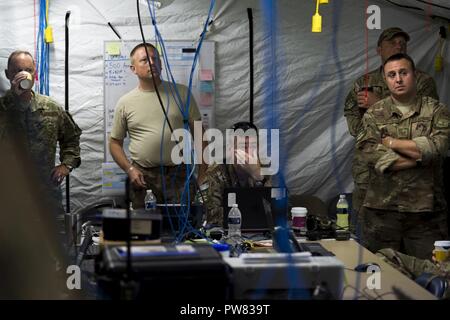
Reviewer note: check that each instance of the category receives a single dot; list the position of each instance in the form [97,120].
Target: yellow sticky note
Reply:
[113,48]
[158,47]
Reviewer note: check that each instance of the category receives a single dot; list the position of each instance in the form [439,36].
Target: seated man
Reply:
[242,170]
[413,267]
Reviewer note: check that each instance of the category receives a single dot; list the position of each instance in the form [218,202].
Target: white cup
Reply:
[441,250]
[27,83]
[299,218]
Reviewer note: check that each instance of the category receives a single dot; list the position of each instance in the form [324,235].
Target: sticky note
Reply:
[158,48]
[113,48]
[206,99]
[206,86]
[206,75]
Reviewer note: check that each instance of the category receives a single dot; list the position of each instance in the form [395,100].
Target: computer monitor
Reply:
[255,217]
[176,217]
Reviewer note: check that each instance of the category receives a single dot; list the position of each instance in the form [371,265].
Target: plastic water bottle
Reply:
[150,201]
[234,222]
[342,213]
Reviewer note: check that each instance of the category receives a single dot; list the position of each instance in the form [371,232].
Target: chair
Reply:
[88,222]
[313,204]
[93,211]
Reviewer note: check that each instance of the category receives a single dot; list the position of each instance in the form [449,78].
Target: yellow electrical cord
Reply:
[46,12]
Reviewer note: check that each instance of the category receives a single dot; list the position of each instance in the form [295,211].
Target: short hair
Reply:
[400,56]
[141,45]
[244,125]
[16,53]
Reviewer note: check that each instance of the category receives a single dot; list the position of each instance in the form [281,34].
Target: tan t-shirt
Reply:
[139,113]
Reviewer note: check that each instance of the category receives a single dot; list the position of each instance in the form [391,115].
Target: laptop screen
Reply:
[253,204]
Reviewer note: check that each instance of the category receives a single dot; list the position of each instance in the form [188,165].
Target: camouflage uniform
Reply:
[406,209]
[425,87]
[37,127]
[170,189]
[218,177]
[414,267]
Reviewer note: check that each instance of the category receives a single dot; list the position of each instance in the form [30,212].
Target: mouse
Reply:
[364,266]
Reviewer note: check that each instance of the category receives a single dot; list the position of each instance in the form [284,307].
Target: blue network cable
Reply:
[42,52]
[271,101]
[160,41]
[337,7]
[269,8]
[184,109]
[177,101]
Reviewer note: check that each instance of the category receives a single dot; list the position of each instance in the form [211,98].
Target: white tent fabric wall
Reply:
[310,107]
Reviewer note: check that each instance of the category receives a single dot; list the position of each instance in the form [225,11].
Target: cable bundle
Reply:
[44,39]
[185,227]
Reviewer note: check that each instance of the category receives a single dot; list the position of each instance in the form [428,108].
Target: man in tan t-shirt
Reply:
[139,114]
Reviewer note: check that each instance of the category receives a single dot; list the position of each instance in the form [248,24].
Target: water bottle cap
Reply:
[221,246]
[235,205]
[149,190]
[342,196]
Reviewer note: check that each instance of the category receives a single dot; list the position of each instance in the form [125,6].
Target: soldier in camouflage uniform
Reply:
[403,142]
[221,176]
[36,124]
[413,267]
[367,90]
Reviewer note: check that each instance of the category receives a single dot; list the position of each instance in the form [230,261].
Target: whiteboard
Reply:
[118,78]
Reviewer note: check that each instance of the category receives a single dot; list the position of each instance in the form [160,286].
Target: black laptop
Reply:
[176,217]
[255,216]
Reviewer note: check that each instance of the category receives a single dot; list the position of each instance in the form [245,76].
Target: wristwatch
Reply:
[68,166]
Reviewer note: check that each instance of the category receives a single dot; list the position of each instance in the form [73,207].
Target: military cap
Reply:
[390,33]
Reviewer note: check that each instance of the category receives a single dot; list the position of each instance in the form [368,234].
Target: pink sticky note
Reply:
[206,99]
[206,75]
